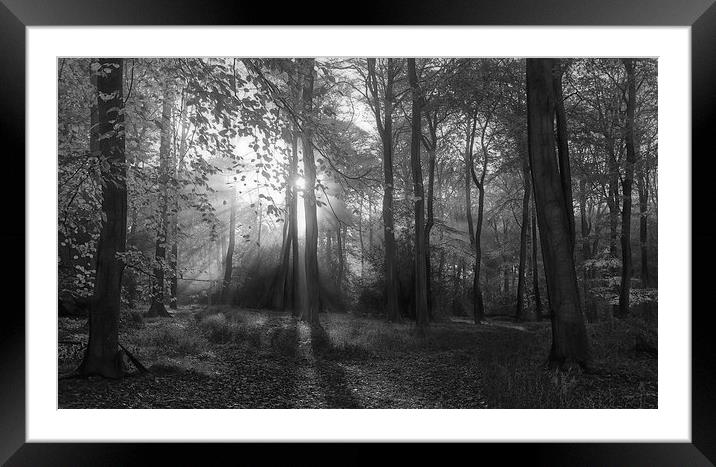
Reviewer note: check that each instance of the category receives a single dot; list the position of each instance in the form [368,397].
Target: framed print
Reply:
[445,219]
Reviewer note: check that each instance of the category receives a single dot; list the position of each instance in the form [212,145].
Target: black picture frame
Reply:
[16,15]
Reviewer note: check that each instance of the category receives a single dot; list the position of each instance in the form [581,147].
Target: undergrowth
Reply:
[508,359]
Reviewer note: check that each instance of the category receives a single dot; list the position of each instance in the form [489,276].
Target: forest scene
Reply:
[357,232]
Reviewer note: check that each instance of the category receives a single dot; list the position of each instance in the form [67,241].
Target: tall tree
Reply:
[309,312]
[287,293]
[177,160]
[570,345]
[384,124]
[421,294]
[290,263]
[157,307]
[102,356]
[478,304]
[627,182]
[433,117]
[173,227]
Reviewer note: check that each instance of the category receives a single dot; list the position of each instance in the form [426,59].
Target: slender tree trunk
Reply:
[613,197]
[535,269]
[569,337]
[519,313]
[627,182]
[259,225]
[328,252]
[360,237]
[421,278]
[478,305]
[391,272]
[505,278]
[469,140]
[158,307]
[289,274]
[370,224]
[597,232]
[430,218]
[174,229]
[229,259]
[174,279]
[129,276]
[586,247]
[102,356]
[178,162]
[280,299]
[340,248]
[585,227]
[643,232]
[309,313]
[292,286]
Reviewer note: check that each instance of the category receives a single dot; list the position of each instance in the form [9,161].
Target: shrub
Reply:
[217,328]
[173,340]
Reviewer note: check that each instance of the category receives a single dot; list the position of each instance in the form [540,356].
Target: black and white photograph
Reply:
[357,233]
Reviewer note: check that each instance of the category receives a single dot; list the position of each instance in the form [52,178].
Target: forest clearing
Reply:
[357,233]
[231,358]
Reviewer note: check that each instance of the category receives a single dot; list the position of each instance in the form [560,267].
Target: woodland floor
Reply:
[230,358]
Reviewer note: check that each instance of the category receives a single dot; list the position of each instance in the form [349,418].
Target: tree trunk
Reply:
[177,162]
[535,269]
[469,140]
[524,228]
[292,286]
[569,337]
[102,356]
[174,279]
[565,173]
[174,228]
[505,278]
[430,218]
[627,182]
[360,236]
[370,223]
[478,305]
[279,299]
[309,313]
[391,271]
[613,197]
[421,294]
[586,248]
[288,274]
[585,227]
[229,260]
[643,232]
[340,248]
[157,307]
[386,130]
